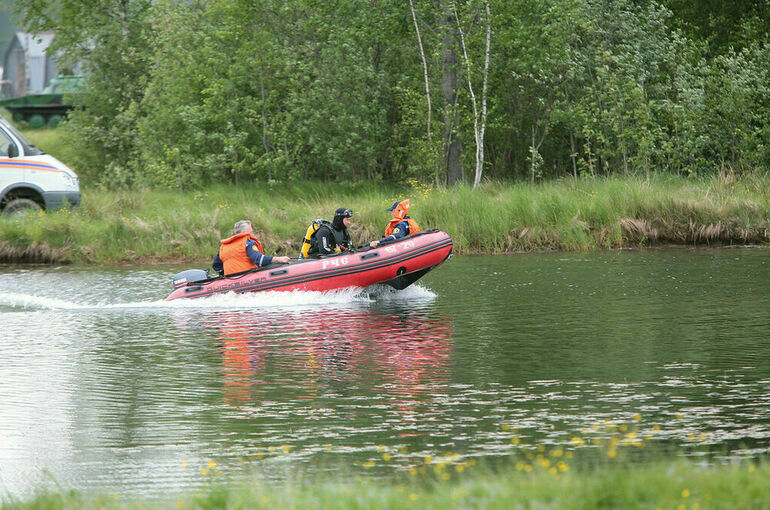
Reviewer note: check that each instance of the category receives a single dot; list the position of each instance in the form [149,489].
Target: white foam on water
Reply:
[26,301]
[231,300]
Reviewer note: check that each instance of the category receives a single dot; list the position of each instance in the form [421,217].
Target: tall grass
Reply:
[568,214]
[573,215]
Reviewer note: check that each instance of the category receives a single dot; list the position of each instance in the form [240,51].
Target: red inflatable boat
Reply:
[397,264]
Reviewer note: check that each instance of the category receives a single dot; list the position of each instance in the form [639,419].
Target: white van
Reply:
[31,180]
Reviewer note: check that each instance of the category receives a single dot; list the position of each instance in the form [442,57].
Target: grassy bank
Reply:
[681,485]
[572,215]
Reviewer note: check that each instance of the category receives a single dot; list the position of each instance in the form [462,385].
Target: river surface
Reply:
[105,387]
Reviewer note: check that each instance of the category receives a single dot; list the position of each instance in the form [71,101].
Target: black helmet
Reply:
[339,214]
[343,213]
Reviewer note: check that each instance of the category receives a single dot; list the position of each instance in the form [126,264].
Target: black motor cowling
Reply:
[191,275]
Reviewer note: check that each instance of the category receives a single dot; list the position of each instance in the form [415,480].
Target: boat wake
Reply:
[26,302]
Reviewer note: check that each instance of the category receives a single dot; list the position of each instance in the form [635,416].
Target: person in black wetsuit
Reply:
[334,238]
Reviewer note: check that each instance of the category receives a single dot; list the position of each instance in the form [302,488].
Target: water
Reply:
[105,387]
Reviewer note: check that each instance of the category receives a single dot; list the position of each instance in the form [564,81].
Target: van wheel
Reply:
[21,207]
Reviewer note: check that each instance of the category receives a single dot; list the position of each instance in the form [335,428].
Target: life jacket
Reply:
[413,226]
[399,215]
[308,242]
[232,251]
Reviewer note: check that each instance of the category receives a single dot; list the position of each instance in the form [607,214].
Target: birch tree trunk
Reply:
[479,125]
[427,85]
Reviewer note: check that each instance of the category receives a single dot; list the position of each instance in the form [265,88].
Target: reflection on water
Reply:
[107,387]
[397,351]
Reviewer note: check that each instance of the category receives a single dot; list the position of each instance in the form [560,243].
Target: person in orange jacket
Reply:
[400,226]
[242,251]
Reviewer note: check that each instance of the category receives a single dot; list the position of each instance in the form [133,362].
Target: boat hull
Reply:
[398,264]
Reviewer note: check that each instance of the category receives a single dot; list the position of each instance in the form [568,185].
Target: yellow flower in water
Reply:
[286,448]
[686,493]
[612,453]
[271,449]
[656,427]
[515,440]
[679,416]
[563,467]
[381,448]
[540,448]
[528,468]
[185,464]
[752,468]
[558,452]
[428,459]
[328,447]
[553,471]
[413,471]
[681,507]
[413,496]
[211,464]
[459,468]
[637,417]
[623,427]
[204,471]
[369,464]
[505,426]
[386,457]
[577,441]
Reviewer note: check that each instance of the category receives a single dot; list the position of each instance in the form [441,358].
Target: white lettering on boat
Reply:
[334,262]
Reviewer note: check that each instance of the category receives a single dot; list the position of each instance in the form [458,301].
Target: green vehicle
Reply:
[46,108]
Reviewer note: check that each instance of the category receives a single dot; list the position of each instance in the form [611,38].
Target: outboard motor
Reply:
[191,275]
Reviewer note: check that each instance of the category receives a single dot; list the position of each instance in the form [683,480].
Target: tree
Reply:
[479,119]
[112,39]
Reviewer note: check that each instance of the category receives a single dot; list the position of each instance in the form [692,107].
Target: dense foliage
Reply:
[186,93]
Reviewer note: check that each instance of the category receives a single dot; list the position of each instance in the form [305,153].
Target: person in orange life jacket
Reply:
[400,226]
[242,252]
[334,238]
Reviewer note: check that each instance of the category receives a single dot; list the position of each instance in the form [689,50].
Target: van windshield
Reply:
[29,149]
